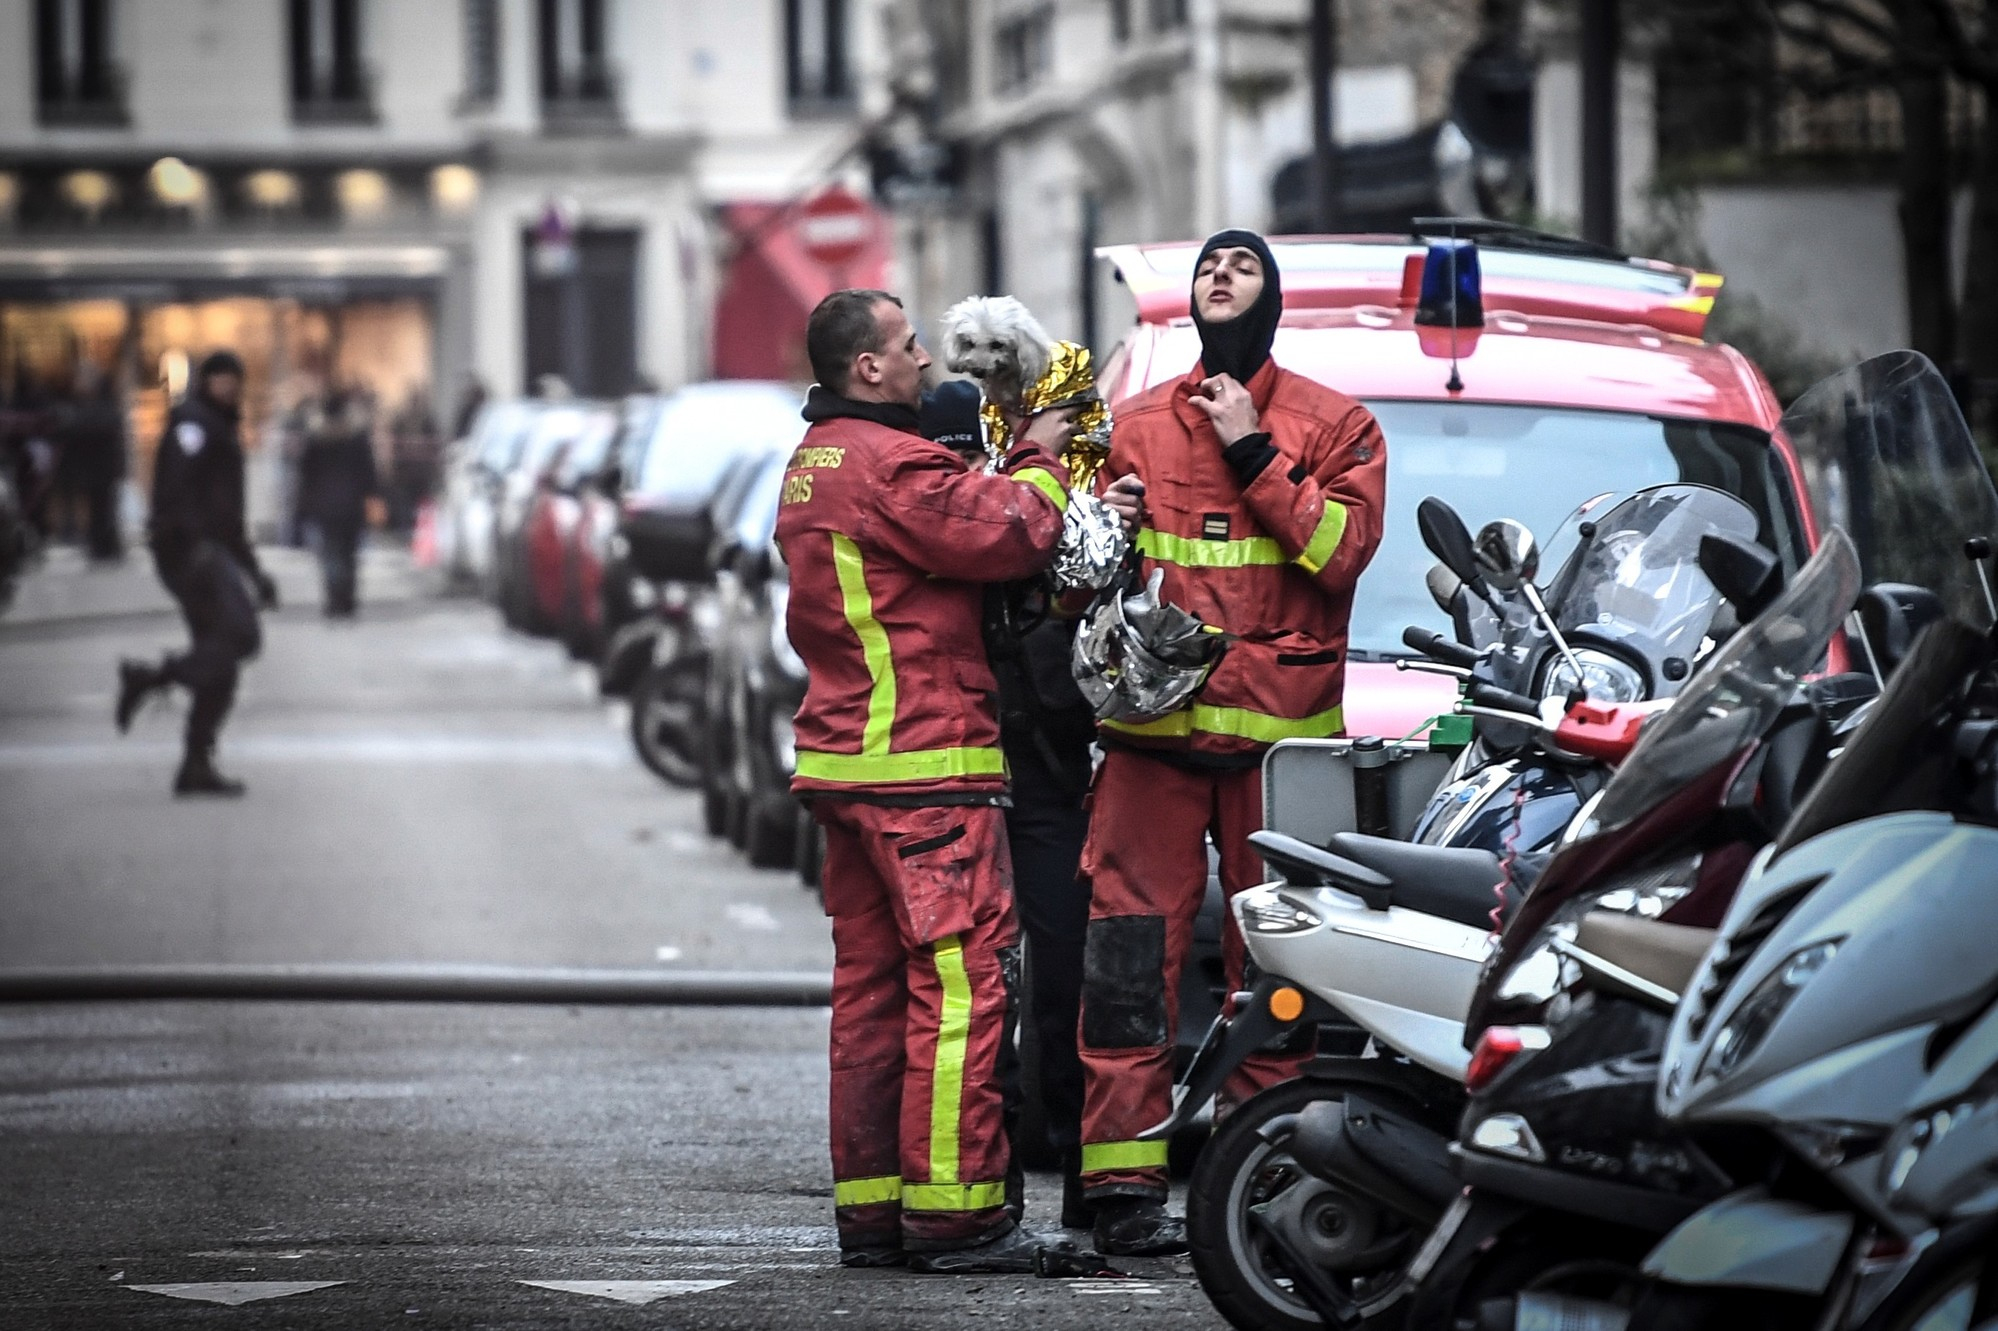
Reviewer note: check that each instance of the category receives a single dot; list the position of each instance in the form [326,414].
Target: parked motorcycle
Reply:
[1387,936]
[1573,1173]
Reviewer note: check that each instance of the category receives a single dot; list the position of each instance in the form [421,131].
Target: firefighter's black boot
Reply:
[199,777]
[1138,1227]
[136,682]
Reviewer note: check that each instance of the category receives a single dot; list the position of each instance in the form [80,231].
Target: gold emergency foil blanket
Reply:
[1071,378]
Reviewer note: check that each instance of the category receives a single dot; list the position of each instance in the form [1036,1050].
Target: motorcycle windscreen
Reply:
[1886,455]
[1635,584]
[1733,699]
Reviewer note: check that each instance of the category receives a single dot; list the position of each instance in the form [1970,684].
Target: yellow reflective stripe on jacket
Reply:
[1195,552]
[1100,1157]
[947,1077]
[952,1196]
[915,765]
[859,607]
[1238,722]
[1044,480]
[867,1191]
[1324,542]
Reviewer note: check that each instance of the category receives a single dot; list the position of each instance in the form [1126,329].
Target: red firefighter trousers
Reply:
[1146,863]
[924,945]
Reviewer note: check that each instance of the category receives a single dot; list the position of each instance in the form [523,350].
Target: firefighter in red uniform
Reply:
[888,537]
[1259,493]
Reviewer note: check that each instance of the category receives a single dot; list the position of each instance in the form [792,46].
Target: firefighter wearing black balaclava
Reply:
[201,547]
[1259,494]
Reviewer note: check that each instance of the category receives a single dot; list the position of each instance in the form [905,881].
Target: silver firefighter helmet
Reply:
[1139,657]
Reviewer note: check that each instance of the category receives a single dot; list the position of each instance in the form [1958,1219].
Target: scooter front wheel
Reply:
[1255,1220]
[665,720]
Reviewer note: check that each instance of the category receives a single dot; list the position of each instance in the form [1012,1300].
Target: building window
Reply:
[578,85]
[816,70]
[1168,14]
[1120,20]
[482,51]
[76,80]
[1023,46]
[329,83]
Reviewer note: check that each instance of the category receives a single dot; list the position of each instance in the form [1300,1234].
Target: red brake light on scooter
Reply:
[1496,1049]
[1607,731]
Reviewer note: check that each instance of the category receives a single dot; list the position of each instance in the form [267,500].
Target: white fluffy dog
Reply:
[996,341]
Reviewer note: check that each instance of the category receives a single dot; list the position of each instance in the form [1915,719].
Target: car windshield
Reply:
[756,524]
[702,430]
[587,454]
[1535,464]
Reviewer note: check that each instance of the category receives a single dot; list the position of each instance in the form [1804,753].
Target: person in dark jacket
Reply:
[93,447]
[336,478]
[202,550]
[1046,729]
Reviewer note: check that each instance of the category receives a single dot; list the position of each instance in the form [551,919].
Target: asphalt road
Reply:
[424,787]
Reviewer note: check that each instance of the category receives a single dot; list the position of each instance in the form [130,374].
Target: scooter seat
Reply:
[1449,882]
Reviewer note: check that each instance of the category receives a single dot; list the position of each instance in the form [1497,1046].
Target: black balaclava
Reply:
[950,416]
[1241,345]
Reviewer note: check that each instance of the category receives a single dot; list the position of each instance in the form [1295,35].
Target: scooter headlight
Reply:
[1604,677]
[1749,1025]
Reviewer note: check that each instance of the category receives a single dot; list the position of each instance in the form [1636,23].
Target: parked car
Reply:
[598,592]
[553,513]
[756,681]
[555,427]
[467,507]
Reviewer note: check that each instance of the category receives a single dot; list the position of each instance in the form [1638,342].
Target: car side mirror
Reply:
[1746,573]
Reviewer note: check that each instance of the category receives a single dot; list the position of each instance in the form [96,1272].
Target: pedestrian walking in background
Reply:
[202,550]
[889,537]
[1046,729]
[1259,494]
[92,435]
[336,478]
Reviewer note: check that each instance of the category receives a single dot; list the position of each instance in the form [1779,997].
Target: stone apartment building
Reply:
[407,194]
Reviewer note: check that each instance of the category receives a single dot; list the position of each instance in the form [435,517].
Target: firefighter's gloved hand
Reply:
[267,590]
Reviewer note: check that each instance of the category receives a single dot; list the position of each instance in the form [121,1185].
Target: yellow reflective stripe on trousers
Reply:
[1101,1157]
[859,607]
[867,1191]
[915,765]
[952,1196]
[1044,480]
[1195,552]
[1238,722]
[947,1077]
[1324,542]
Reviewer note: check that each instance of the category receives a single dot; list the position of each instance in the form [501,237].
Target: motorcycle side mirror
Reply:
[1749,575]
[1892,615]
[1507,554]
[1445,588]
[1450,541]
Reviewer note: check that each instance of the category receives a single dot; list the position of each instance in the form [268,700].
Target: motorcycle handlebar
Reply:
[1505,700]
[1437,647]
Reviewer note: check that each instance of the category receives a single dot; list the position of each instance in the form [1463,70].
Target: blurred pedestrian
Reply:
[1046,728]
[888,537]
[92,434]
[471,401]
[336,478]
[413,450]
[201,547]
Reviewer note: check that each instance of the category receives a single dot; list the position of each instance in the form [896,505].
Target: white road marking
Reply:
[751,916]
[1094,1285]
[684,842]
[629,1291]
[666,953]
[238,1292]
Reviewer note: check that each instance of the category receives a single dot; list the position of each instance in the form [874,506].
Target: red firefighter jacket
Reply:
[888,537]
[1272,561]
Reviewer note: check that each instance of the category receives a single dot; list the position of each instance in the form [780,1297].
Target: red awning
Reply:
[770,286]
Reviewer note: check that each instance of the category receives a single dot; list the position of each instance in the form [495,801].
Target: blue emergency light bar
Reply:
[1452,293]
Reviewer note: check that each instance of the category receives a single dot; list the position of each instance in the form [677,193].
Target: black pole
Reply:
[1601,41]
[1327,214]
